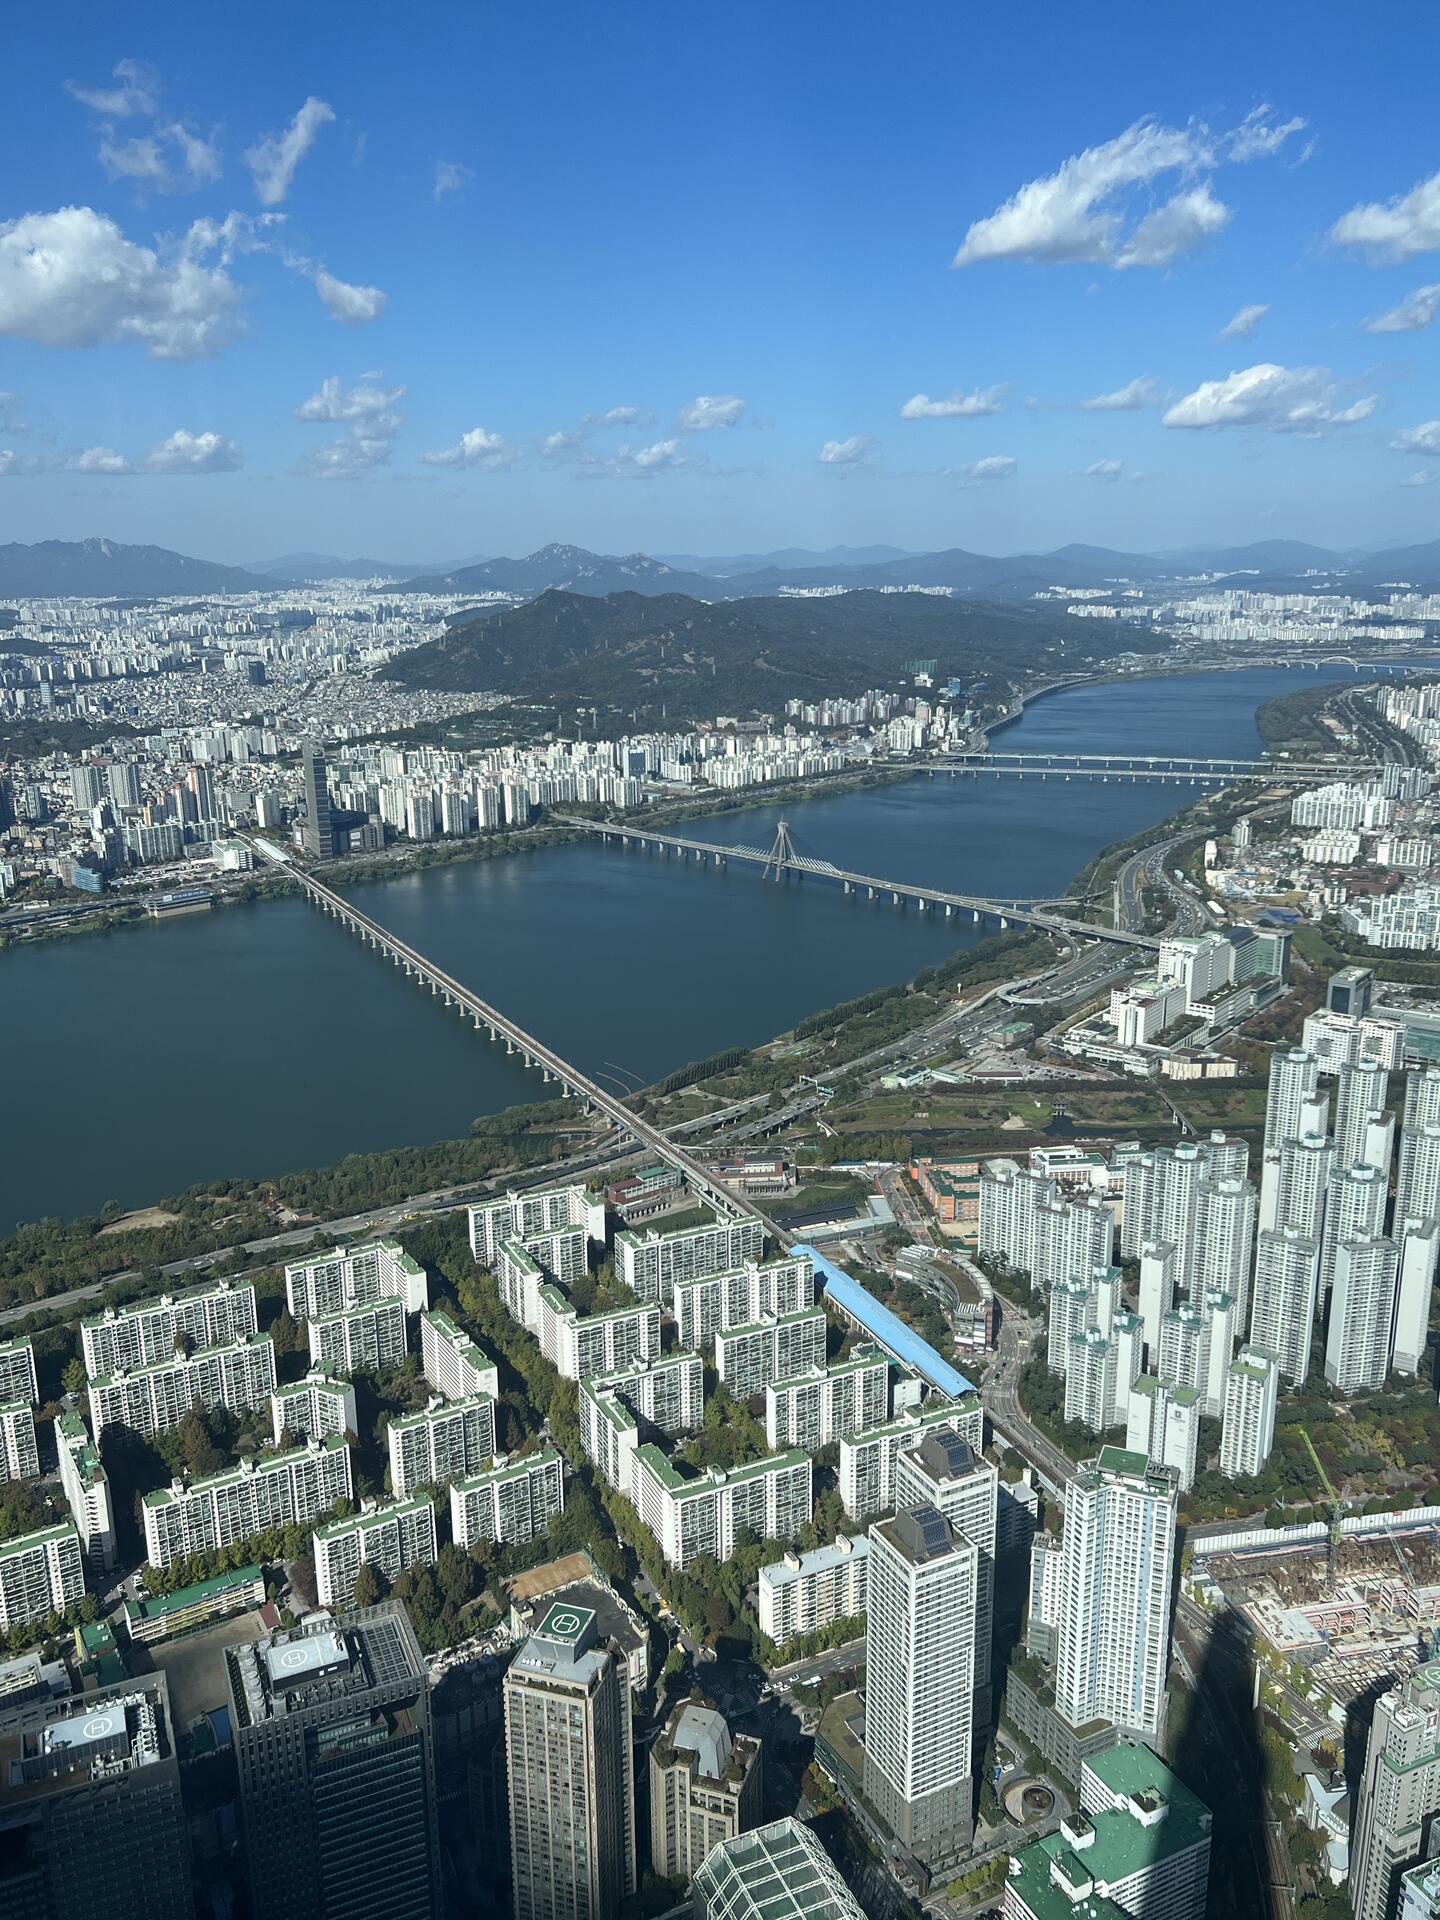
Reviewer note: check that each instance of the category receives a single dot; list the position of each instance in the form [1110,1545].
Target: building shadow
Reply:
[1214,1747]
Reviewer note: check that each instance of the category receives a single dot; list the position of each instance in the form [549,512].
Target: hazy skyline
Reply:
[720,281]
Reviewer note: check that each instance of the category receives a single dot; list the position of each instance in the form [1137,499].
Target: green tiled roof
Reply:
[155,1606]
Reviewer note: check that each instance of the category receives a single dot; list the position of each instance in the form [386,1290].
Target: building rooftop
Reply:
[228,1476]
[921,1534]
[42,1536]
[683,1487]
[779,1872]
[886,1328]
[942,1454]
[323,1663]
[507,1469]
[800,1566]
[155,1606]
[703,1732]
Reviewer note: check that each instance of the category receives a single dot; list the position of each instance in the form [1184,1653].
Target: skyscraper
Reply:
[319,831]
[1282,1318]
[572,1795]
[1399,1792]
[1293,1080]
[90,1813]
[333,1747]
[1362,1314]
[920,1681]
[1112,1593]
[1248,1431]
[1364,1085]
[939,1470]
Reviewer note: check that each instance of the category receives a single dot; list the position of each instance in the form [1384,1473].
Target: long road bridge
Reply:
[499,1026]
[782,858]
[1173,769]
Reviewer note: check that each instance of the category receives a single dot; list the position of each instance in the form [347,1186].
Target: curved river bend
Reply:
[258,1040]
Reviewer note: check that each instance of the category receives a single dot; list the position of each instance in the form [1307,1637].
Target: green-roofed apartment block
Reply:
[1138,1847]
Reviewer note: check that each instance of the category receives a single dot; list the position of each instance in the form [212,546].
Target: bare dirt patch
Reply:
[141,1217]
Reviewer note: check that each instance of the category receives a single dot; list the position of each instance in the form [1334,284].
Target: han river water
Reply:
[262,1039]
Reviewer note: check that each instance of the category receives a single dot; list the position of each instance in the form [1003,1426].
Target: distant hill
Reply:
[98,569]
[726,564]
[572,568]
[1419,565]
[295,569]
[671,656]
[1266,556]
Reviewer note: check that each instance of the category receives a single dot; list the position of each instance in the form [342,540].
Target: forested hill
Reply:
[630,651]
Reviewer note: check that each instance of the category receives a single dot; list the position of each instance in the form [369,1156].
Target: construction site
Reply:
[1355,1604]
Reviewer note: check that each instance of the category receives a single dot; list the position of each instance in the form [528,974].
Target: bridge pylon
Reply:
[782,854]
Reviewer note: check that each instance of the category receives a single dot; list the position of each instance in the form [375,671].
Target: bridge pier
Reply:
[949,909]
[509,1044]
[921,902]
[975,915]
[895,898]
[848,887]
[1004,923]
[870,893]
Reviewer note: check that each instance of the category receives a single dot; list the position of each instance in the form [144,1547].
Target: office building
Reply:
[1247,1432]
[138,1335]
[1399,1792]
[1351,991]
[1282,1318]
[526,1216]
[321,1404]
[1108,1602]
[355,1277]
[319,829]
[1362,1314]
[270,1490]
[770,1497]
[40,1573]
[815,1408]
[369,1339]
[91,1820]
[748,1358]
[939,1469]
[452,1362]
[17,1371]
[761,1288]
[807,1592]
[867,1460]
[705,1788]
[19,1454]
[1420,1890]
[449,1440]
[1138,1846]
[238,1377]
[87,1491]
[774,1871]
[568,1752]
[920,1669]
[652,1262]
[1163,1425]
[334,1754]
[389,1536]
[512,1500]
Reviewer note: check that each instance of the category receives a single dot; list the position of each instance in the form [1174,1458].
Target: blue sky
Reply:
[720,278]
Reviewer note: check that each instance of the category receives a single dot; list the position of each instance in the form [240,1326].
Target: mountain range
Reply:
[100,568]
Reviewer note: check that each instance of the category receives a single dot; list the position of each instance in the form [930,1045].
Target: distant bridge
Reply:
[1173,769]
[782,858]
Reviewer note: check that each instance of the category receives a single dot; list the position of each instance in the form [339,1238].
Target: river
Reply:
[261,1039]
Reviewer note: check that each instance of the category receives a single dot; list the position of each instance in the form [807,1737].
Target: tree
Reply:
[73,1379]
[369,1585]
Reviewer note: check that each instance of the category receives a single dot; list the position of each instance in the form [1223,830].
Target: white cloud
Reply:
[613,417]
[1416,310]
[1394,229]
[334,401]
[709,410]
[272,160]
[450,177]
[858,451]
[72,279]
[193,453]
[104,460]
[1422,439]
[351,458]
[983,473]
[353,306]
[959,406]
[1100,470]
[13,465]
[1080,212]
[1276,399]
[477,451]
[1420,479]
[1139,392]
[138,91]
[1178,227]
[1256,139]
[1242,324]
[638,463]
[169,159]
[556,446]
